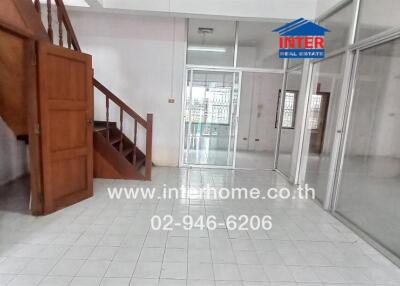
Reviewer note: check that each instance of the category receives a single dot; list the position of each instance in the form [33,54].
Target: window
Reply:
[289,110]
[210,105]
[315,109]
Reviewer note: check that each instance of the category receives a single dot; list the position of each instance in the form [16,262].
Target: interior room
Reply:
[179,143]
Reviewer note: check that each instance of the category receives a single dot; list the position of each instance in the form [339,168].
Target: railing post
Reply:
[134,143]
[149,146]
[60,26]
[69,40]
[121,122]
[49,21]
[108,118]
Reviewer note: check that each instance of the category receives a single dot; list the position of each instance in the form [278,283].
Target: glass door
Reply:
[320,132]
[211,114]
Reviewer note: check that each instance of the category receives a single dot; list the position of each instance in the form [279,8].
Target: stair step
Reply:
[99,128]
[127,151]
[115,140]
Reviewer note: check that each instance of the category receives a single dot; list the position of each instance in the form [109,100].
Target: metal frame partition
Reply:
[300,167]
[355,49]
[234,69]
[351,51]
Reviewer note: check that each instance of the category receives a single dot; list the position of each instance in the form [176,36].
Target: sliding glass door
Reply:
[210,119]
[322,116]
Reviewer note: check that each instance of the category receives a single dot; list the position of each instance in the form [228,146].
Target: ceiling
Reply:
[234,9]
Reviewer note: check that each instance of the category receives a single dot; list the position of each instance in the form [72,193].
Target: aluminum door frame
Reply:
[183,154]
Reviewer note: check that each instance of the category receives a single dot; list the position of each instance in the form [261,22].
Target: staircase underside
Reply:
[13,107]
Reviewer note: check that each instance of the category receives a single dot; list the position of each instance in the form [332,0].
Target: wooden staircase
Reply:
[117,155]
[109,159]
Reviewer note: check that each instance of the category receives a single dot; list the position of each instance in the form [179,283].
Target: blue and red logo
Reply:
[301,39]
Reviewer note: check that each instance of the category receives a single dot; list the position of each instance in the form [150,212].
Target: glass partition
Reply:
[369,193]
[339,25]
[211,42]
[293,84]
[258,45]
[320,129]
[376,16]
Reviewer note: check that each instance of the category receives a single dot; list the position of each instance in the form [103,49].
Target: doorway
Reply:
[259,110]
[210,120]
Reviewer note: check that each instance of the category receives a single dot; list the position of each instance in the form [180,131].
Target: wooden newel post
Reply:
[149,146]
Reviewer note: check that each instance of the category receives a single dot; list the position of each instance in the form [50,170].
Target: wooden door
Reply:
[66,125]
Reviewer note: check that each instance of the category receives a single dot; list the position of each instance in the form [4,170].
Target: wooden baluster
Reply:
[121,121]
[37,6]
[60,27]
[108,118]
[149,146]
[49,21]
[134,143]
[69,40]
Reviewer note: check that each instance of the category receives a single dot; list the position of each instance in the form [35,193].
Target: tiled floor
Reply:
[109,242]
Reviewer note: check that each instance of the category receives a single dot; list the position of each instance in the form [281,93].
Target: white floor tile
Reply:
[26,280]
[93,268]
[226,272]
[200,271]
[143,282]
[67,267]
[56,281]
[86,281]
[174,270]
[119,269]
[147,270]
[103,242]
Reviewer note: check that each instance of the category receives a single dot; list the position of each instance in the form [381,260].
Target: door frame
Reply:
[191,70]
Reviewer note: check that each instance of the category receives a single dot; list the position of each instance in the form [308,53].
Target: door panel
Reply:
[210,117]
[322,117]
[66,112]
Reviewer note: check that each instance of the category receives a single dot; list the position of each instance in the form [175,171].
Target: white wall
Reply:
[13,159]
[140,59]
[258,101]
